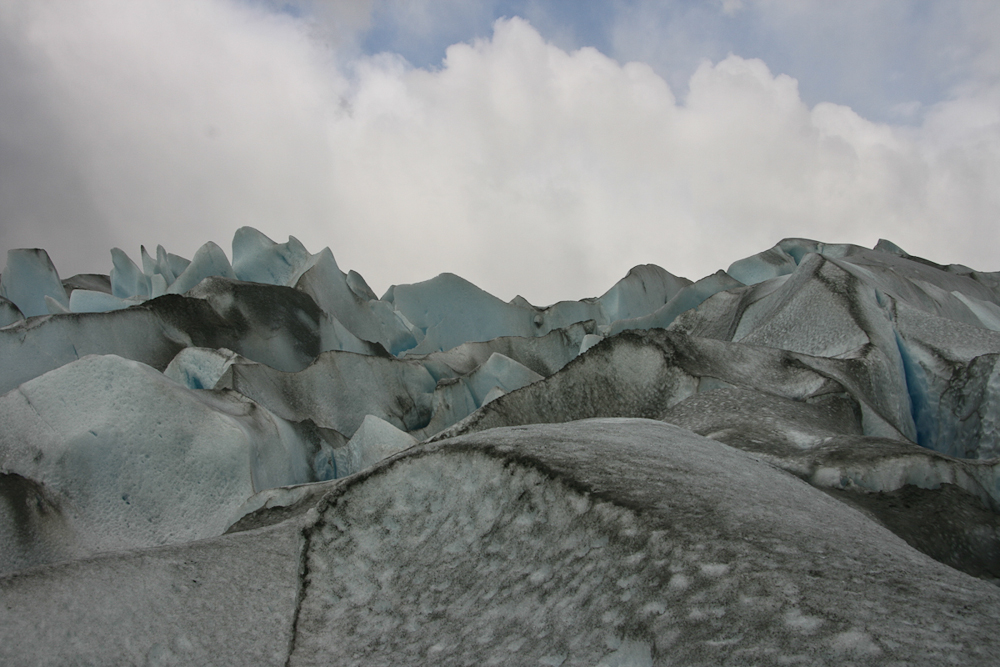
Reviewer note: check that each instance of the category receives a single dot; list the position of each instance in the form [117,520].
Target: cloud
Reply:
[520,160]
[521,166]
[156,122]
[877,57]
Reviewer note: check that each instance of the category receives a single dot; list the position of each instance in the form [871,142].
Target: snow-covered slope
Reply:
[794,460]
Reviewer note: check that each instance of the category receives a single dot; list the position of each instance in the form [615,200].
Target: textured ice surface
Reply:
[644,374]
[598,542]
[228,601]
[516,546]
[861,386]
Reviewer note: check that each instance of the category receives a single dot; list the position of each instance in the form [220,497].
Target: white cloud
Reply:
[171,121]
[563,169]
[521,166]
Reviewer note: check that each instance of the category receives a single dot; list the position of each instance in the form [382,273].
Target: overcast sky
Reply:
[535,148]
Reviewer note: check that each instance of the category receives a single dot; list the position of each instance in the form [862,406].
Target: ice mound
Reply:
[794,460]
[522,546]
[120,457]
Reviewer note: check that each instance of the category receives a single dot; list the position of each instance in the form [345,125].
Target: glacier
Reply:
[257,460]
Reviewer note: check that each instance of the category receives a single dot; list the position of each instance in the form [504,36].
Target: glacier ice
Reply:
[125,457]
[690,296]
[448,311]
[94,282]
[200,367]
[375,439]
[28,278]
[372,321]
[209,260]
[9,313]
[338,389]
[91,301]
[795,459]
[258,259]
[520,546]
[127,279]
[772,263]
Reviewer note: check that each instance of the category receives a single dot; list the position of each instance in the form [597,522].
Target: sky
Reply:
[534,148]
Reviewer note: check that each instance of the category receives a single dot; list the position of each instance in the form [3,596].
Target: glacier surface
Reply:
[260,461]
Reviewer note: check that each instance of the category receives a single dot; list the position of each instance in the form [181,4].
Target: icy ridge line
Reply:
[710,471]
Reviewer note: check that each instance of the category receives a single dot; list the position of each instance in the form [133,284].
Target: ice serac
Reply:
[375,439]
[121,457]
[688,297]
[952,383]
[644,290]
[258,259]
[273,325]
[825,311]
[449,310]
[457,397]
[95,282]
[544,355]
[913,326]
[27,279]
[452,402]
[127,279]
[372,321]
[500,372]
[209,260]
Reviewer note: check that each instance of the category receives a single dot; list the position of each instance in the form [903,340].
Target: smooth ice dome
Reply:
[793,461]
